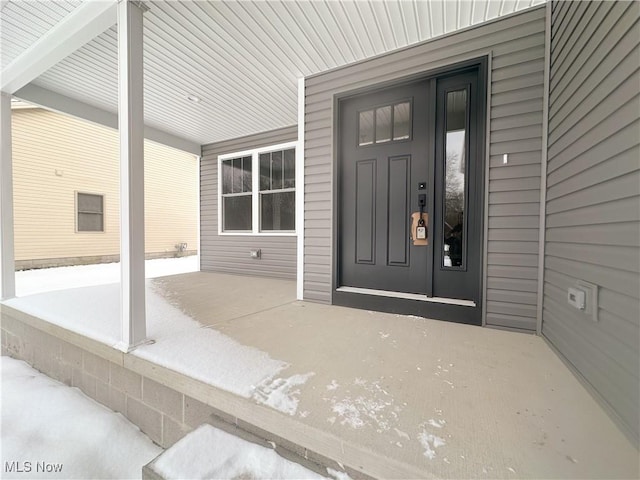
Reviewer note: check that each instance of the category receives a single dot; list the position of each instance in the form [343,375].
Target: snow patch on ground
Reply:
[181,343]
[333,385]
[338,475]
[280,393]
[29,282]
[436,423]
[429,441]
[208,452]
[46,421]
[369,404]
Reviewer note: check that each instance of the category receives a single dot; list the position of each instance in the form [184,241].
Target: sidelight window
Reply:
[455,162]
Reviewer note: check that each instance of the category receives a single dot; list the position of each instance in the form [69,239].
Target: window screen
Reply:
[90,212]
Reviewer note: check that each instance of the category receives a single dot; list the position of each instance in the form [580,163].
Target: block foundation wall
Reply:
[162,413]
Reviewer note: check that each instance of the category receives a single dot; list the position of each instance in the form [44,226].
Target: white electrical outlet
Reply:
[577,298]
[584,297]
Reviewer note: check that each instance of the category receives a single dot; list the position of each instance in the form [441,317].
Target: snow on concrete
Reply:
[429,441]
[208,452]
[365,403]
[181,343]
[41,280]
[54,430]
[281,393]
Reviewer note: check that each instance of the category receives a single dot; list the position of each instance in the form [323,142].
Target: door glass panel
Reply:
[365,134]
[455,179]
[383,124]
[401,116]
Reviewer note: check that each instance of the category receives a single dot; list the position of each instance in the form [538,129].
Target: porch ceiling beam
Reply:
[60,103]
[82,25]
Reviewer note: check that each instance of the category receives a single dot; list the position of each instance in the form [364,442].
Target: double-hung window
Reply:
[89,212]
[257,191]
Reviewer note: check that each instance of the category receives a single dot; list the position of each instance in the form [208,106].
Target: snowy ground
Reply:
[41,280]
[85,299]
[50,430]
[234,458]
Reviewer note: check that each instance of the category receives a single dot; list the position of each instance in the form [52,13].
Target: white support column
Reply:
[131,127]
[300,192]
[7,256]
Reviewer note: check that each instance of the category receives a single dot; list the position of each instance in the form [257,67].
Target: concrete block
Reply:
[102,392]
[46,357]
[96,366]
[145,417]
[196,413]
[65,373]
[88,385]
[162,398]
[76,377]
[117,401]
[172,431]
[71,355]
[125,380]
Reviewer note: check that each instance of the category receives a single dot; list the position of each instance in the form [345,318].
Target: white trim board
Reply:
[300,191]
[407,296]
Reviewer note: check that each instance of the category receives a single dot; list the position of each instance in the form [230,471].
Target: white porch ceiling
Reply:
[241,58]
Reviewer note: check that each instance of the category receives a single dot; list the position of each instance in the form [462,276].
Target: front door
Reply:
[404,150]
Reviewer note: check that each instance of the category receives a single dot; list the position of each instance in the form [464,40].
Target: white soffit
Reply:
[241,59]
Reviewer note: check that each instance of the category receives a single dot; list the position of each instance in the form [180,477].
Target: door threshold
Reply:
[407,296]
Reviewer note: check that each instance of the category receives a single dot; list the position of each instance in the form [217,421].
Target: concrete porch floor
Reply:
[388,395]
[482,403]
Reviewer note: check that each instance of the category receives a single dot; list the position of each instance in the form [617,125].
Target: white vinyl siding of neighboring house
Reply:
[57,156]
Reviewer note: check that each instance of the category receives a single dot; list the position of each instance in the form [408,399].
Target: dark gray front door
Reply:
[399,147]
[383,158]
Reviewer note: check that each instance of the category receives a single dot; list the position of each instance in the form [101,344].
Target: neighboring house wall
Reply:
[231,253]
[55,156]
[517,47]
[593,196]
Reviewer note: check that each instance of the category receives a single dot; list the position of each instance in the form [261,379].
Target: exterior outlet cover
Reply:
[577,298]
[255,253]
[591,298]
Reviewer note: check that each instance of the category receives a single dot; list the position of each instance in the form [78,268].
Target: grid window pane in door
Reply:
[365,127]
[401,121]
[383,124]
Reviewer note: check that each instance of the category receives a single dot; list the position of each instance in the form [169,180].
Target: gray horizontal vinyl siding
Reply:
[593,196]
[230,253]
[516,44]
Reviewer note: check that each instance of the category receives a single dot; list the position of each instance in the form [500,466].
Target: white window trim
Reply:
[104,214]
[255,191]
